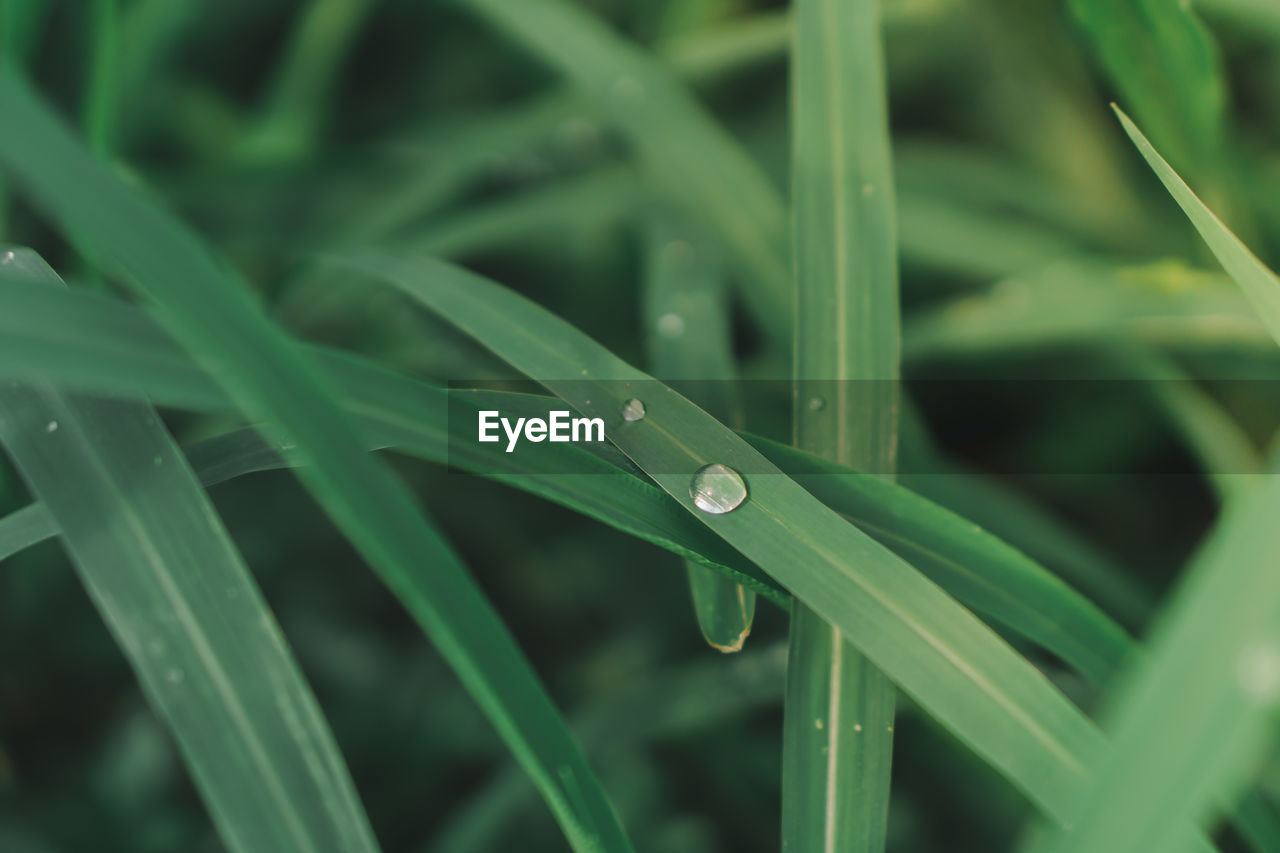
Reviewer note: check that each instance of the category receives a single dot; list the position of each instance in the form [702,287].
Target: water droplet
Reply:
[8,256]
[627,89]
[51,427]
[174,676]
[868,189]
[817,723]
[632,410]
[817,404]
[157,461]
[1258,673]
[717,489]
[857,727]
[671,325]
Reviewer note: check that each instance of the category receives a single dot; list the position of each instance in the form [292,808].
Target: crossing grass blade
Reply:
[687,330]
[1188,724]
[688,155]
[937,651]
[837,747]
[1260,285]
[210,309]
[116,349]
[185,611]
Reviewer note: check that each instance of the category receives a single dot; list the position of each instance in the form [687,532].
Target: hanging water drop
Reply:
[632,410]
[717,489]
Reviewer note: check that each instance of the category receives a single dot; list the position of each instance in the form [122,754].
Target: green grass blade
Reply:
[691,158]
[837,748]
[293,110]
[22,528]
[1260,285]
[181,603]
[115,349]
[937,651]
[687,330]
[211,311]
[1165,63]
[1188,725]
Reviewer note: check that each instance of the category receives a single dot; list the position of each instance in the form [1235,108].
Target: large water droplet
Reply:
[717,489]
[632,410]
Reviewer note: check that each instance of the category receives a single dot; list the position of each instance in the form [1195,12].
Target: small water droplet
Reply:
[857,727]
[868,189]
[817,404]
[632,410]
[717,489]
[627,89]
[157,461]
[1258,673]
[584,371]
[671,325]
[174,676]
[817,723]
[51,427]
[8,256]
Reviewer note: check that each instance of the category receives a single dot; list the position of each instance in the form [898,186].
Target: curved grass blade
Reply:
[1189,724]
[210,310]
[687,331]
[180,602]
[837,747]
[1260,285]
[937,651]
[688,154]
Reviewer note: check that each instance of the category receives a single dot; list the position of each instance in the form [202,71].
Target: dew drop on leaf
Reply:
[632,410]
[717,489]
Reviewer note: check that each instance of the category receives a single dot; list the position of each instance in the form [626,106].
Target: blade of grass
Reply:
[837,748]
[293,109]
[101,81]
[688,336]
[181,604]
[1164,61]
[1260,285]
[1189,724]
[210,310]
[689,156]
[954,666]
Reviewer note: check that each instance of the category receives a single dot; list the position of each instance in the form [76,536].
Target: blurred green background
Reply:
[1035,245]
